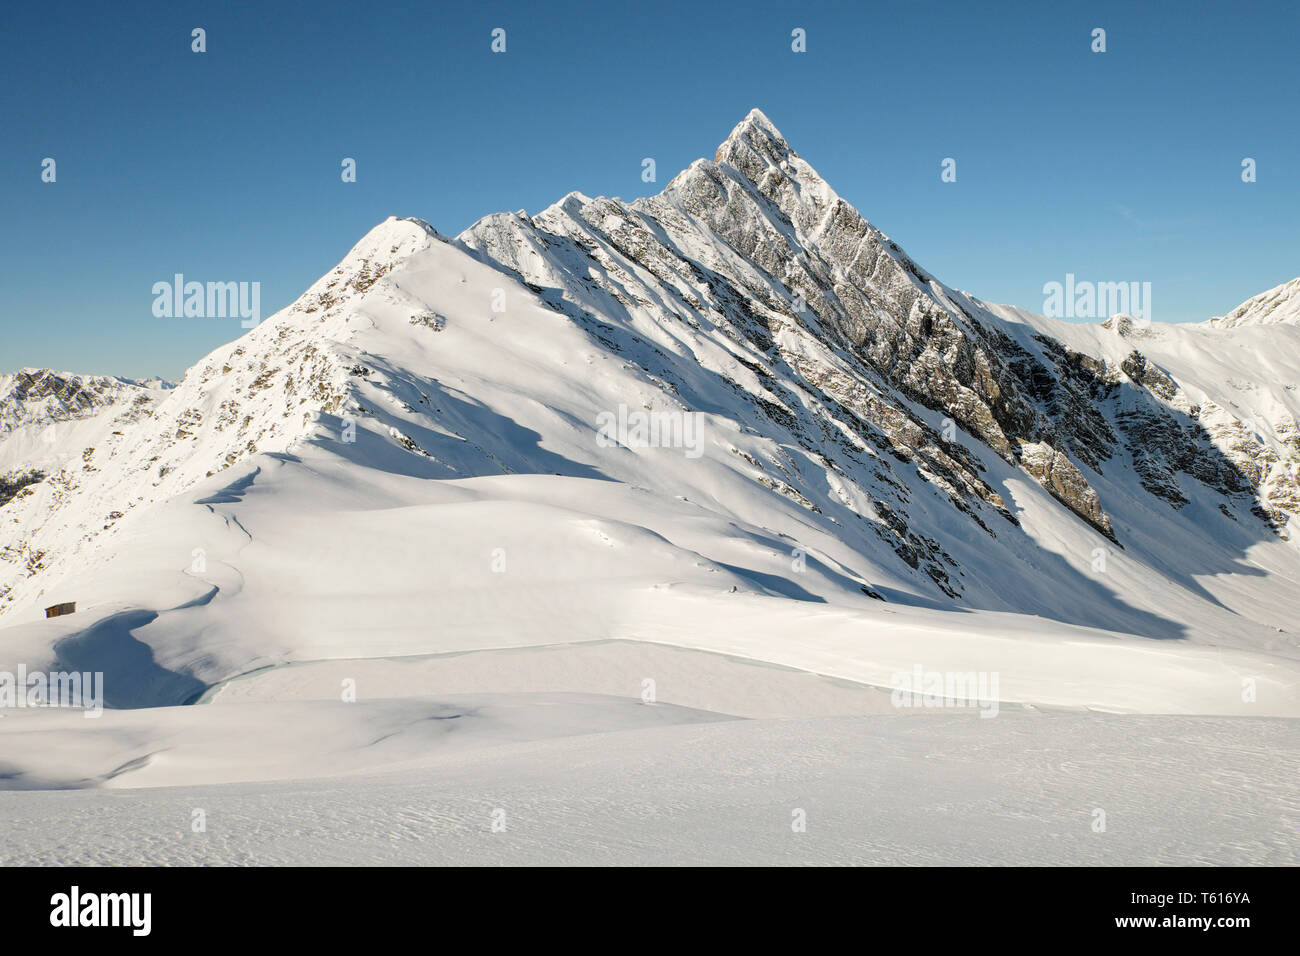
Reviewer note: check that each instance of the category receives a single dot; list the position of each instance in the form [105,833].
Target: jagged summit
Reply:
[755,133]
[762,156]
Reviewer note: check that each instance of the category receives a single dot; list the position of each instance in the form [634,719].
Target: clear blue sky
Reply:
[225,165]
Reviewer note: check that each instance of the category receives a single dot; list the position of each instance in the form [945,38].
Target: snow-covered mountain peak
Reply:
[755,134]
[1279,305]
[762,247]
[837,395]
[388,243]
[763,158]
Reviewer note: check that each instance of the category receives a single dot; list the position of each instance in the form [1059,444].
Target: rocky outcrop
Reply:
[14,484]
[758,243]
[43,397]
[1059,475]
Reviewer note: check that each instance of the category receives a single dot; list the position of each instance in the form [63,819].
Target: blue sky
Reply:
[225,165]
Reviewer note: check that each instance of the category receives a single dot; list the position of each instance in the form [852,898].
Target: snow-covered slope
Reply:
[1279,305]
[53,428]
[866,467]
[942,790]
[44,414]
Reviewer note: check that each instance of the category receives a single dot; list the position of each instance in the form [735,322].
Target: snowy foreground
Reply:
[1021,789]
[576,777]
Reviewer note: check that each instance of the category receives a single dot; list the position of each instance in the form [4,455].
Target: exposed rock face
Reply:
[1059,475]
[14,484]
[760,244]
[40,396]
[1138,368]
[854,279]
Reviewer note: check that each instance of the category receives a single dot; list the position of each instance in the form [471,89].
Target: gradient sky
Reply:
[224,166]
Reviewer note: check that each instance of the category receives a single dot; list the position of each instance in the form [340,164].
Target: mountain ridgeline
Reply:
[847,394]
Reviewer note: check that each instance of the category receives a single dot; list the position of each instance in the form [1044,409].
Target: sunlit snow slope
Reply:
[408,461]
